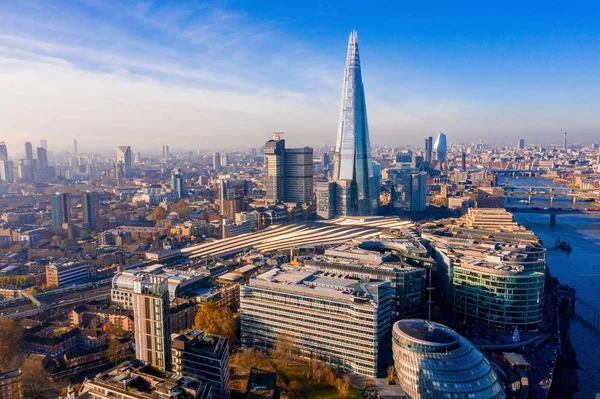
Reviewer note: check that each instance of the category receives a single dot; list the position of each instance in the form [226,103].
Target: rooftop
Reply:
[427,331]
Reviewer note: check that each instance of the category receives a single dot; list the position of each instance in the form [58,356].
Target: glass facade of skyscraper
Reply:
[353,148]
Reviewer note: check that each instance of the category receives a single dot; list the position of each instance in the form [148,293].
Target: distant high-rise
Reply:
[7,171]
[165,152]
[178,183]
[565,142]
[352,160]
[299,175]
[28,151]
[124,158]
[75,147]
[464,160]
[216,161]
[521,144]
[91,208]
[152,320]
[409,190]
[428,149]
[42,158]
[3,152]
[61,209]
[440,148]
[275,167]
[289,171]
[44,144]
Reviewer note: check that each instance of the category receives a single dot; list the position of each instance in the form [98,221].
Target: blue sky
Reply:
[226,74]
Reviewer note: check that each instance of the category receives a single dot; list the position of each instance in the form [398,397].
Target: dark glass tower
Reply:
[353,148]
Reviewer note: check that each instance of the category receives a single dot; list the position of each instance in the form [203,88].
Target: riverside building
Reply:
[340,321]
[432,361]
[490,278]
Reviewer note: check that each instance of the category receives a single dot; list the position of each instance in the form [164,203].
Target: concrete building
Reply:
[408,283]
[326,198]
[275,168]
[216,161]
[432,361]
[203,357]
[91,208]
[61,209]
[65,274]
[341,321]
[299,175]
[152,322]
[10,385]
[124,161]
[137,380]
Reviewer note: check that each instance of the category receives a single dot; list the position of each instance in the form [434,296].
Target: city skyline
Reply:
[179,65]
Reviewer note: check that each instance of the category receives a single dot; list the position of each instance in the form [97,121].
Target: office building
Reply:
[7,171]
[432,361]
[490,274]
[440,148]
[565,142]
[152,322]
[429,149]
[178,183]
[91,208]
[326,198]
[28,151]
[299,175]
[124,161]
[139,380]
[61,209]
[165,152]
[352,159]
[289,172]
[44,144]
[216,162]
[64,274]
[231,196]
[409,190]
[25,170]
[75,148]
[203,357]
[42,158]
[11,385]
[3,152]
[341,321]
[521,144]
[275,168]
[408,283]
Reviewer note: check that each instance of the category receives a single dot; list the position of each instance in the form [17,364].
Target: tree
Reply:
[284,347]
[344,385]
[10,341]
[114,352]
[158,214]
[391,372]
[244,360]
[182,208]
[216,320]
[35,378]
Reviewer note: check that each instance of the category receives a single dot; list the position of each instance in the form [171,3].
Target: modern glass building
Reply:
[440,148]
[353,149]
[432,361]
[341,321]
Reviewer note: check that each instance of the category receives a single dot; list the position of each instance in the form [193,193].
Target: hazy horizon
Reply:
[206,75]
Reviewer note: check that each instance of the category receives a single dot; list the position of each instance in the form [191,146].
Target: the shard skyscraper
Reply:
[357,187]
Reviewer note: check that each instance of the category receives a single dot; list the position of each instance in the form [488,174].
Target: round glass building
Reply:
[433,361]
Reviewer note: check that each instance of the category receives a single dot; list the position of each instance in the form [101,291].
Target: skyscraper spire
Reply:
[353,148]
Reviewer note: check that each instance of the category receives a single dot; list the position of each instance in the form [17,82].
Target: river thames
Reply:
[580,269]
